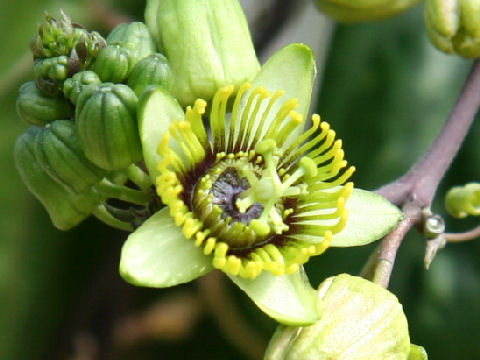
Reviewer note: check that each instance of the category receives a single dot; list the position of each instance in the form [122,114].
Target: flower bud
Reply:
[152,70]
[62,37]
[60,154]
[73,86]
[107,125]
[454,26]
[135,39]
[38,109]
[359,321]
[66,210]
[462,201]
[112,64]
[50,74]
[350,11]
[207,43]
[61,49]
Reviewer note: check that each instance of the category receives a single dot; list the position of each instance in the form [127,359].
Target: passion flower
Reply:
[254,197]
[247,190]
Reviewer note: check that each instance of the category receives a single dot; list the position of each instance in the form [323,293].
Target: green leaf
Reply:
[370,217]
[417,353]
[157,254]
[157,109]
[289,299]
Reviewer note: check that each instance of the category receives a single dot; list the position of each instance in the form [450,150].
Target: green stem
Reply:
[103,215]
[139,177]
[120,192]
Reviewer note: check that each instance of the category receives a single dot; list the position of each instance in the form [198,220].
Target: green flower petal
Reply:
[293,70]
[157,109]
[370,217]
[157,254]
[289,299]
[417,353]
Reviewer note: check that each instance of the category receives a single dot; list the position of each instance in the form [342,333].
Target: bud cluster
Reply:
[83,149]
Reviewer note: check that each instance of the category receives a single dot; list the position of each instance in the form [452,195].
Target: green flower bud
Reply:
[55,68]
[359,321]
[454,26]
[135,39]
[73,86]
[62,48]
[60,154]
[152,70]
[112,64]
[107,125]
[350,11]
[66,210]
[38,109]
[50,74]
[462,201]
[207,43]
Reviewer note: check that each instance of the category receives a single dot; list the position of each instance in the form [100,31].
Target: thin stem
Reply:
[103,215]
[391,243]
[416,189]
[421,181]
[465,236]
[120,192]
[139,177]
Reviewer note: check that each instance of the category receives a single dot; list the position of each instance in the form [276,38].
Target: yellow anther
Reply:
[209,245]
[308,166]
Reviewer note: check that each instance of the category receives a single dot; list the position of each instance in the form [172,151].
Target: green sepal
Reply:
[72,87]
[60,154]
[151,70]
[66,210]
[111,64]
[135,39]
[106,121]
[417,353]
[370,217]
[157,109]
[291,69]
[289,299]
[207,43]
[359,321]
[38,109]
[158,255]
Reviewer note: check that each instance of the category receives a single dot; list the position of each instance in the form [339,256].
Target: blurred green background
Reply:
[386,92]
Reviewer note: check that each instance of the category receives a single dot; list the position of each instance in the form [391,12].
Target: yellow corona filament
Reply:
[254,137]
[253,142]
[194,116]
[218,114]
